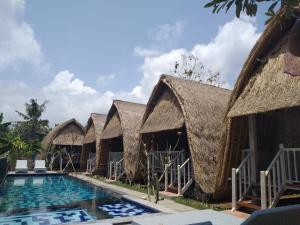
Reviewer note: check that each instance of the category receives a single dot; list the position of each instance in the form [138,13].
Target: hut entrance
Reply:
[169,159]
[88,158]
[114,147]
[67,158]
[270,164]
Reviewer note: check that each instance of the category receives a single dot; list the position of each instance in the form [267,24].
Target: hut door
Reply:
[267,139]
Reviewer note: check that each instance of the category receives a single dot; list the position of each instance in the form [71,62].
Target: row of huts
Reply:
[225,142]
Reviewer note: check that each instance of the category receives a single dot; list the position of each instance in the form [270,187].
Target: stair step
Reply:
[249,204]
[293,186]
[253,197]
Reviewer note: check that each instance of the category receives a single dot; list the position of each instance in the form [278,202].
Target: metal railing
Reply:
[243,178]
[185,176]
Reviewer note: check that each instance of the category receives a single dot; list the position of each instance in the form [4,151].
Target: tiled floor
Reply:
[48,218]
[124,209]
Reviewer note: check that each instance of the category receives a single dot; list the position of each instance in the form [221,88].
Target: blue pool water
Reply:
[57,199]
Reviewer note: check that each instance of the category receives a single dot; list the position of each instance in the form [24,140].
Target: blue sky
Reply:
[80,55]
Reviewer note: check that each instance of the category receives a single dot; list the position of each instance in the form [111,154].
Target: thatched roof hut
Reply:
[91,140]
[197,108]
[265,87]
[69,133]
[122,125]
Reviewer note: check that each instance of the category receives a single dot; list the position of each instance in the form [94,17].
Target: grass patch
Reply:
[196,204]
[133,186]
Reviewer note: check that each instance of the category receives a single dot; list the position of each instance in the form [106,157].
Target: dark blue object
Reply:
[287,215]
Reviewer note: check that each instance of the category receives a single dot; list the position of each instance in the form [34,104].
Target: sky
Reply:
[80,55]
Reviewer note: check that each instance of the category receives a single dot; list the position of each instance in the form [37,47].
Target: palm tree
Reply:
[33,127]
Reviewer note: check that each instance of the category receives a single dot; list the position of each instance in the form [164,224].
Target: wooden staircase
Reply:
[271,187]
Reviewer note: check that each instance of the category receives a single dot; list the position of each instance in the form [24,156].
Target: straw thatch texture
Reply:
[129,116]
[202,107]
[91,139]
[160,117]
[70,132]
[262,86]
[113,128]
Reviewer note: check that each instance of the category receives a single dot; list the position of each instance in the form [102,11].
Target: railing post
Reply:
[166,177]
[281,148]
[179,180]
[233,184]
[110,170]
[263,190]
[116,172]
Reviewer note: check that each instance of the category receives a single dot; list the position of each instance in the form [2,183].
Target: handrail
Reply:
[186,162]
[244,161]
[273,180]
[274,161]
[185,174]
[243,179]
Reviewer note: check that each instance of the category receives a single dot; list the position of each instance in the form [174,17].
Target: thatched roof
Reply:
[94,127]
[124,119]
[201,108]
[262,86]
[70,132]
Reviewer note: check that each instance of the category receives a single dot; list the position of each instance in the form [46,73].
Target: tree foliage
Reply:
[33,127]
[250,7]
[189,67]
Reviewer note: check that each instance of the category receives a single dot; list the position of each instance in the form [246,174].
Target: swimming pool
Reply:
[58,199]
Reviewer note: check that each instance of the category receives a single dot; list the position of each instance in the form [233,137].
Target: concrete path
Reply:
[166,205]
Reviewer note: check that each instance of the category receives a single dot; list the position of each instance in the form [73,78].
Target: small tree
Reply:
[189,67]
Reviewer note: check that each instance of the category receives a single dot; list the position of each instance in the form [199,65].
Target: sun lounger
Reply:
[21,166]
[38,181]
[39,166]
[19,181]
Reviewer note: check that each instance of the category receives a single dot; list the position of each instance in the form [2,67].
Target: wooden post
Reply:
[116,170]
[179,180]
[60,163]
[166,177]
[283,166]
[233,184]
[110,170]
[253,144]
[263,190]
[148,176]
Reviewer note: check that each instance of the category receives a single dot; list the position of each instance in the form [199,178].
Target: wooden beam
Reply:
[253,142]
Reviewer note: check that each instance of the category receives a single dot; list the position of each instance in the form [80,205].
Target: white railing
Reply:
[115,156]
[158,159]
[116,169]
[292,158]
[92,155]
[243,178]
[185,176]
[170,173]
[91,165]
[273,180]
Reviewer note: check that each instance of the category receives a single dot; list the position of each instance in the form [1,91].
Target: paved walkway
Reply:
[166,205]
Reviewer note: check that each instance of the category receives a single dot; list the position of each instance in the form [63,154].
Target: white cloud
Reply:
[145,52]
[168,32]
[225,53]
[104,80]
[70,97]
[64,81]
[17,42]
